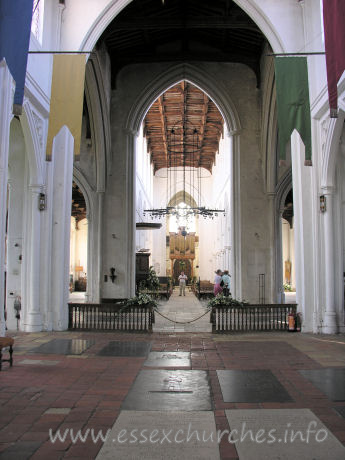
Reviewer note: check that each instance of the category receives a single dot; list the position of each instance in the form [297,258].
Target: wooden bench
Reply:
[6,342]
[161,292]
[205,289]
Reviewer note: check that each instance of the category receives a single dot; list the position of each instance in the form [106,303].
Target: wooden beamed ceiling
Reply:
[148,31]
[78,203]
[183,128]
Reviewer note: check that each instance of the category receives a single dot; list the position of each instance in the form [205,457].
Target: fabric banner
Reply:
[334,25]
[15,29]
[293,104]
[66,100]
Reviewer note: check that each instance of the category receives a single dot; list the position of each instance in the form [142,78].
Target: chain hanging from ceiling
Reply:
[183,148]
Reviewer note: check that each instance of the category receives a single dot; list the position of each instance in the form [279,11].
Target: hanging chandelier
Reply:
[183,158]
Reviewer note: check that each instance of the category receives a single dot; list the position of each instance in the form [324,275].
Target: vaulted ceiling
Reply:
[183,30]
[183,128]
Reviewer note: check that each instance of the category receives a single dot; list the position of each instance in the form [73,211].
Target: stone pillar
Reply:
[100,196]
[62,198]
[330,317]
[280,297]
[89,285]
[236,219]
[33,318]
[6,98]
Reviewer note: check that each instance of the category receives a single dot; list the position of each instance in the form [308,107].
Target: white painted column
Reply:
[130,215]
[62,198]
[305,192]
[33,317]
[330,318]
[6,98]
[14,248]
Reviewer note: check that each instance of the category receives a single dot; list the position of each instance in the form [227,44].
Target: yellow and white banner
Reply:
[67,96]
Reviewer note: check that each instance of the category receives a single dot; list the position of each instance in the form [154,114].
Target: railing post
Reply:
[70,316]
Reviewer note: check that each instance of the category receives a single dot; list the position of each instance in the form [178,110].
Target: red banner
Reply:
[334,24]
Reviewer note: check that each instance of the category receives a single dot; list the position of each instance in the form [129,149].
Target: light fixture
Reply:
[112,275]
[183,150]
[322,203]
[42,202]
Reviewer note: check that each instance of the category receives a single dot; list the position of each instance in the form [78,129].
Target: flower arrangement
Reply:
[287,287]
[151,283]
[142,299]
[226,301]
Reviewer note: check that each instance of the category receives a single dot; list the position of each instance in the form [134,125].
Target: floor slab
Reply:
[173,390]
[160,434]
[341,410]
[182,314]
[168,359]
[118,348]
[38,362]
[271,434]
[330,381]
[64,347]
[250,386]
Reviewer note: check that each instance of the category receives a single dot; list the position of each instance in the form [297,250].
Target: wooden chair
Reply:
[6,342]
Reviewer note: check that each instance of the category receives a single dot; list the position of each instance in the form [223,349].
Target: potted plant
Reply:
[142,300]
[151,283]
[226,301]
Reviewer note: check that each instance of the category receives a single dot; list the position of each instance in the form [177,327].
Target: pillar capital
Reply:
[328,189]
[36,188]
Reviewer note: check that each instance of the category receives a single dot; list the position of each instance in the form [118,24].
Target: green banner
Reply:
[293,103]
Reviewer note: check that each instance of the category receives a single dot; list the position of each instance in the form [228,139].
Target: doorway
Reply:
[182,265]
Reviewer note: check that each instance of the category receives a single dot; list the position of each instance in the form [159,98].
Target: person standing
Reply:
[217,279]
[226,283]
[182,279]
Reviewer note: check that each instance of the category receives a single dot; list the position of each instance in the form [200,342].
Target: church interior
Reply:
[142,140]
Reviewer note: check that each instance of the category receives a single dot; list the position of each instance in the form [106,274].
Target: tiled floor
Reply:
[61,391]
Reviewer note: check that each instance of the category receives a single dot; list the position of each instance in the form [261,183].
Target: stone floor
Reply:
[174,395]
[182,314]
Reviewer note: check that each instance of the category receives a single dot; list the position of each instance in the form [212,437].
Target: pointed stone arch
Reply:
[32,145]
[136,114]
[180,196]
[114,7]
[282,190]
[93,254]
[331,150]
[194,75]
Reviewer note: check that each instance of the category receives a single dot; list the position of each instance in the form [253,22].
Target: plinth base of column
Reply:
[33,323]
[330,324]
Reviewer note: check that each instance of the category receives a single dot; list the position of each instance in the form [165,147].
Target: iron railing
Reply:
[110,317]
[272,317]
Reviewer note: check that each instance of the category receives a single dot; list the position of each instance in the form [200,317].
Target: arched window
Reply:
[182,218]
